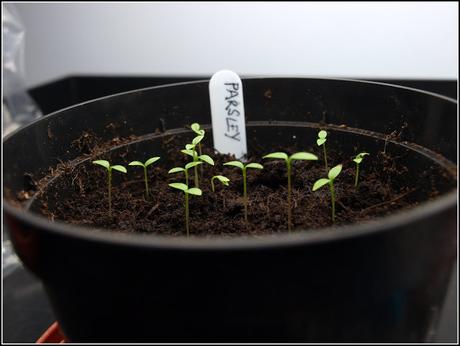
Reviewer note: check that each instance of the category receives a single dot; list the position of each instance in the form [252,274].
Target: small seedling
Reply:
[187,191]
[221,178]
[185,169]
[145,165]
[358,159]
[333,173]
[190,150]
[244,168]
[109,168]
[391,136]
[288,160]
[321,141]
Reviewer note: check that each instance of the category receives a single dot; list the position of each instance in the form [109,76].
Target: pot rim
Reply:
[297,238]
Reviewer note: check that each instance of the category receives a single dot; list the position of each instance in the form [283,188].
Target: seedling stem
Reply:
[288,160]
[187,191]
[331,175]
[243,168]
[358,159]
[109,168]
[322,141]
[144,166]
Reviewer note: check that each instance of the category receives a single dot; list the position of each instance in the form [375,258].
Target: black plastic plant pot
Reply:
[381,281]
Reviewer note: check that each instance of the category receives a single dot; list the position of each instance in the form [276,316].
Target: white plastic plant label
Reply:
[227,113]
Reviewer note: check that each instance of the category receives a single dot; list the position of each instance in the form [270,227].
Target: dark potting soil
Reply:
[79,193]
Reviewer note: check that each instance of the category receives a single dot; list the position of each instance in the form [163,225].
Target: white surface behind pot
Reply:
[359,40]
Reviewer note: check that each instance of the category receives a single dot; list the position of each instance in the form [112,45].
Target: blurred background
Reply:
[416,40]
[59,54]
[66,53]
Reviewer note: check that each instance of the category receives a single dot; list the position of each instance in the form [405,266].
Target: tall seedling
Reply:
[199,132]
[144,166]
[288,159]
[190,151]
[187,191]
[244,168]
[109,168]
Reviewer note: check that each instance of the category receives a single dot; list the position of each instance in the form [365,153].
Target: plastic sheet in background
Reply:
[18,107]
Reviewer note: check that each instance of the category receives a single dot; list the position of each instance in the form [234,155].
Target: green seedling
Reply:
[199,132]
[190,151]
[187,191]
[288,159]
[332,174]
[185,169]
[145,165]
[109,168]
[358,159]
[244,168]
[221,178]
[321,141]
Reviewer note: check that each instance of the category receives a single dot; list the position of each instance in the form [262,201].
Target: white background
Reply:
[360,40]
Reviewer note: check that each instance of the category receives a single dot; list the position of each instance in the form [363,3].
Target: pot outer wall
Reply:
[379,286]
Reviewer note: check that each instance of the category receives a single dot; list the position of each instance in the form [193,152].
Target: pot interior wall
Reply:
[420,118]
